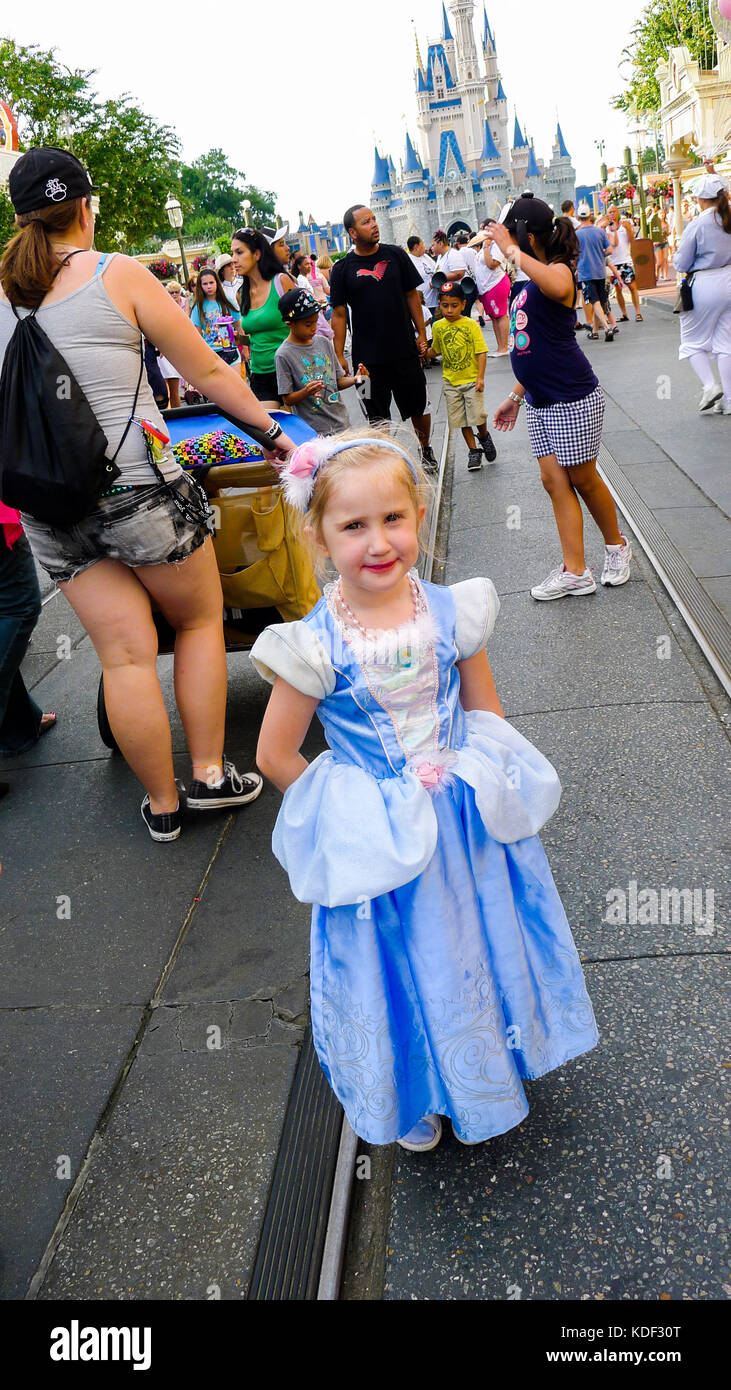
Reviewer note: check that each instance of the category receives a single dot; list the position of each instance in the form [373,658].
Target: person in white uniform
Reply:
[704,251]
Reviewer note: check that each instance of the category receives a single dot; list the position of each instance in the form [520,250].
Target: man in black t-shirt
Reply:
[380,285]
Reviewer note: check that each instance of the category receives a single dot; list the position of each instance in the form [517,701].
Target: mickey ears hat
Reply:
[45,176]
[533,212]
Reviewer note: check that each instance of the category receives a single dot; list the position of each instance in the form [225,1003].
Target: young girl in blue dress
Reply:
[443,971]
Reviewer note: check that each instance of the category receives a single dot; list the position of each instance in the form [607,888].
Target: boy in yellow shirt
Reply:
[462,348]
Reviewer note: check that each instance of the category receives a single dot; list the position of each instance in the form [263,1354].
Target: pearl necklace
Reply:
[416,598]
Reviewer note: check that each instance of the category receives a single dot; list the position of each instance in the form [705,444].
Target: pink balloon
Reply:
[724,8]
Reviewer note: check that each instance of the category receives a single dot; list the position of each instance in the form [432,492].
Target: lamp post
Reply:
[175,218]
[640,134]
[246,205]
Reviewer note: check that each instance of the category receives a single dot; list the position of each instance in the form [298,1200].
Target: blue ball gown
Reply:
[443,972]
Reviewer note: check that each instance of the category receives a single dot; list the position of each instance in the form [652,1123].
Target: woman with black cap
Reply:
[563,400]
[147,540]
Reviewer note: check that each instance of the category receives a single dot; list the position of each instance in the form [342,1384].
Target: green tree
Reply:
[211,185]
[664,24]
[133,160]
[46,98]
[263,206]
[7,221]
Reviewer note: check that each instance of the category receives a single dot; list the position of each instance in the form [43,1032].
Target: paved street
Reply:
[610,1188]
[154,997]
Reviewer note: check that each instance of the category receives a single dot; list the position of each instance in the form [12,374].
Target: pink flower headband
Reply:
[299,474]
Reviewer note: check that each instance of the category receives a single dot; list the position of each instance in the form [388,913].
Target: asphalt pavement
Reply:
[613,1186]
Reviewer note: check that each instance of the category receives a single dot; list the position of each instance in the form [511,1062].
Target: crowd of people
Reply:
[417,796]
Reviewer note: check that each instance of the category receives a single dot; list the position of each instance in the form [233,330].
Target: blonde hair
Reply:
[325,262]
[363,454]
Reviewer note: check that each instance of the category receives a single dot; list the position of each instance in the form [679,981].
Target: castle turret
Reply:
[519,155]
[560,175]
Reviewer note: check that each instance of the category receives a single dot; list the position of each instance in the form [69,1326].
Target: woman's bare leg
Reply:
[189,595]
[115,611]
[500,329]
[595,493]
[567,511]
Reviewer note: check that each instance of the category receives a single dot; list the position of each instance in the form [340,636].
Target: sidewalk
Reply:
[152,1004]
[611,1187]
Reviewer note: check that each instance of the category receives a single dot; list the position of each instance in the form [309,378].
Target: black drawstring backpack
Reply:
[53,451]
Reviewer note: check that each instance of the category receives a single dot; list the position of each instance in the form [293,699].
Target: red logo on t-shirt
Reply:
[378,271]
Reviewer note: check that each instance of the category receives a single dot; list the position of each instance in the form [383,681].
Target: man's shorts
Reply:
[595,291]
[465,405]
[404,380]
[626,271]
[141,527]
[495,300]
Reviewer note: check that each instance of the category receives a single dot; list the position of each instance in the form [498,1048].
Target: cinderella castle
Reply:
[469,168]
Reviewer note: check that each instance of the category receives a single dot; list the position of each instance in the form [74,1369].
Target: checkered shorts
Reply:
[572,430]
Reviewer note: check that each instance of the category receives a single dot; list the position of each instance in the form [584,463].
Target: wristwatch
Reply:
[519,399]
[273,432]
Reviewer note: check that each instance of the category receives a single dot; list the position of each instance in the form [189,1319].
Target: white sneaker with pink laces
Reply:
[560,583]
[616,563]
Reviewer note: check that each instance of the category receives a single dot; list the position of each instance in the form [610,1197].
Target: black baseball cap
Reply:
[45,176]
[298,304]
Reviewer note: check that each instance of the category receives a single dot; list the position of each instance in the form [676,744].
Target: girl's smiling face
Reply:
[370,529]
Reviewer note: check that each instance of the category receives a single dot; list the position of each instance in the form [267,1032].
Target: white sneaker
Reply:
[423,1136]
[616,563]
[710,394]
[722,407]
[560,583]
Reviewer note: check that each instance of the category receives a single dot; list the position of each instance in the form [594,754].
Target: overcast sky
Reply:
[297,102]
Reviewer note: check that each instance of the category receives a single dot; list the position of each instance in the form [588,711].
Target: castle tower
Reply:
[560,175]
[381,193]
[519,155]
[492,76]
[467,60]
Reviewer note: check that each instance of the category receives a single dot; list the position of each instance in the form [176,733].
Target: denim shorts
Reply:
[146,526]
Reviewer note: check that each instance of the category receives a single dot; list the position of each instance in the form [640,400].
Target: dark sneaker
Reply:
[234,790]
[488,448]
[474,460]
[162,827]
[609,335]
[428,459]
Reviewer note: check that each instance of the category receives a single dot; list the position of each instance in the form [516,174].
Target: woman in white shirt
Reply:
[705,330]
[493,288]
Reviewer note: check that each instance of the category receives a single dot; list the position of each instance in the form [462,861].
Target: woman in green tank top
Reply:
[263,284]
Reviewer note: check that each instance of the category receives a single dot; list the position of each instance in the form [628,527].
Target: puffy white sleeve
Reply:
[294,652]
[477,606]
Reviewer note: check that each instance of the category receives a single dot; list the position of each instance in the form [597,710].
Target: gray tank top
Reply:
[102,349]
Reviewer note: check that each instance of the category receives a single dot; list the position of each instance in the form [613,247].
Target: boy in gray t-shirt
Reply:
[309,376]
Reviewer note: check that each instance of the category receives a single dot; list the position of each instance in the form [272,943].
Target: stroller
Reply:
[266,574]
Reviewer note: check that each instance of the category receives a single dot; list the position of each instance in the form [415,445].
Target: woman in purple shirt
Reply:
[563,400]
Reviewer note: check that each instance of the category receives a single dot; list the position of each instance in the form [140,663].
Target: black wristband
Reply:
[273,432]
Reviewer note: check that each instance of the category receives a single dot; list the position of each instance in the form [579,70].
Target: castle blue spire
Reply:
[532,170]
[413,163]
[489,149]
[487,33]
[380,169]
[446,32]
[501,91]
[561,143]
[518,136]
